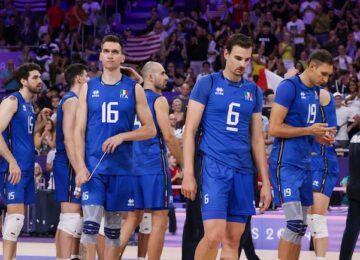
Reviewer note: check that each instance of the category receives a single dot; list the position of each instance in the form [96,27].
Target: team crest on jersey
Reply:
[316,183]
[131,203]
[248,96]
[316,95]
[95,93]
[124,93]
[302,95]
[219,91]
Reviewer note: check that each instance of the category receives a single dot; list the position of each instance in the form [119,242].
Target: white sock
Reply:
[320,258]
[141,258]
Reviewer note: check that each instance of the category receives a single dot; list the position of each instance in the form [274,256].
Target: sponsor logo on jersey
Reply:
[316,183]
[124,93]
[131,203]
[219,91]
[95,93]
[248,96]
[302,95]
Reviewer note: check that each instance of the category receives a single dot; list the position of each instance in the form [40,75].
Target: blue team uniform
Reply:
[151,170]
[19,136]
[227,166]
[111,110]
[64,174]
[324,164]
[290,158]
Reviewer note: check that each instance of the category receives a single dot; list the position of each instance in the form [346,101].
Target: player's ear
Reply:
[226,53]
[122,58]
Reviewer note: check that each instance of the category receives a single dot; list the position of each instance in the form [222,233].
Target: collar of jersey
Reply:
[117,83]
[233,83]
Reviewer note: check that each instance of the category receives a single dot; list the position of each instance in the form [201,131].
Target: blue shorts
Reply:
[64,177]
[113,192]
[153,192]
[325,175]
[226,193]
[21,193]
[291,183]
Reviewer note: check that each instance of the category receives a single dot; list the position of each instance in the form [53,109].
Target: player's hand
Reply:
[189,186]
[130,72]
[326,139]
[14,173]
[111,143]
[265,197]
[82,176]
[321,129]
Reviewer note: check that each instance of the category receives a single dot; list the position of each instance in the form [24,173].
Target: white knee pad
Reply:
[309,222]
[12,226]
[101,229]
[69,223]
[79,228]
[319,226]
[145,224]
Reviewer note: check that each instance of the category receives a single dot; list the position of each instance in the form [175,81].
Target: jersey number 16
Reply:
[108,113]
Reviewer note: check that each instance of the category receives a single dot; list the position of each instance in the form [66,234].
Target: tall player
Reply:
[325,170]
[70,225]
[103,135]
[229,110]
[151,170]
[292,122]
[17,153]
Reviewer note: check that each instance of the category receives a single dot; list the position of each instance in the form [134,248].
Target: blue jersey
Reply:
[149,156]
[226,119]
[60,146]
[325,153]
[302,103]
[19,136]
[111,110]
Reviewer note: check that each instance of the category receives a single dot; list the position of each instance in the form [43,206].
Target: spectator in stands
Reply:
[8,77]
[206,70]
[26,55]
[352,100]
[176,108]
[175,51]
[93,70]
[308,11]
[287,51]
[39,178]
[54,104]
[170,22]
[184,95]
[12,33]
[332,43]
[341,83]
[75,16]
[56,18]
[343,59]
[27,34]
[343,116]
[159,29]
[176,177]
[49,168]
[321,25]
[296,28]
[45,139]
[266,38]
[92,10]
[197,49]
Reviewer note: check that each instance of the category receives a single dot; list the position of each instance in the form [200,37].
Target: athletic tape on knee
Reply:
[92,215]
[68,222]
[79,228]
[112,226]
[145,224]
[310,223]
[295,226]
[101,230]
[319,229]
[12,226]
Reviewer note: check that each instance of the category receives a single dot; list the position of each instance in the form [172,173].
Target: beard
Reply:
[35,89]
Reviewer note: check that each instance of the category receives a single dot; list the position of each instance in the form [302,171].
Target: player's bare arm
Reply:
[42,118]
[146,131]
[68,125]
[162,112]
[7,110]
[259,154]
[278,128]
[82,173]
[193,118]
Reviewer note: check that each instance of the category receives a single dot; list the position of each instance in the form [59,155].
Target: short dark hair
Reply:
[321,56]
[72,71]
[23,72]
[206,63]
[239,39]
[113,38]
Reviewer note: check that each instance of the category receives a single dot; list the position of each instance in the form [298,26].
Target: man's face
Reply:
[55,102]
[185,90]
[111,56]
[10,64]
[172,120]
[338,101]
[33,82]
[159,77]
[237,60]
[320,73]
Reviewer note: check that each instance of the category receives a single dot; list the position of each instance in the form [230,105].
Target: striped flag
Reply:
[268,79]
[36,5]
[142,47]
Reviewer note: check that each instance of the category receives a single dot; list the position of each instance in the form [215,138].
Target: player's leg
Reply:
[69,229]
[156,241]
[130,222]
[92,200]
[144,234]
[100,241]
[215,190]
[112,225]
[240,206]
